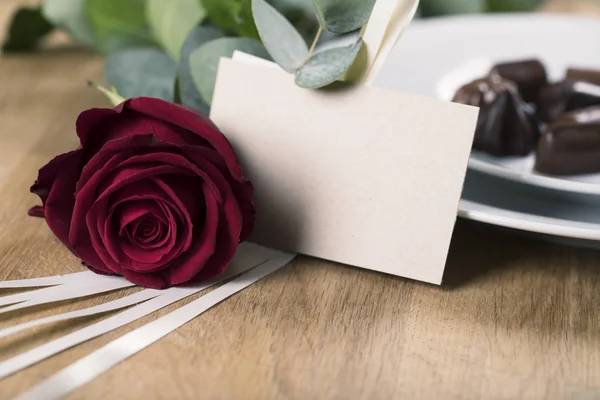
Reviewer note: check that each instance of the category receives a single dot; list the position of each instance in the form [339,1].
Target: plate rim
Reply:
[543,181]
[479,212]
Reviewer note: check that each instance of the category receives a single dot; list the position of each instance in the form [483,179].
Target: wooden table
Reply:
[515,319]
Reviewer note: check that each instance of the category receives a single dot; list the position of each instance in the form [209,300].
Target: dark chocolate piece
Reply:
[552,100]
[583,116]
[564,96]
[585,75]
[506,126]
[529,75]
[584,95]
[569,149]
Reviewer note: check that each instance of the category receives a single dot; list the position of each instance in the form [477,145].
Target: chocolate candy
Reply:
[506,124]
[483,91]
[564,96]
[585,75]
[584,116]
[529,75]
[569,149]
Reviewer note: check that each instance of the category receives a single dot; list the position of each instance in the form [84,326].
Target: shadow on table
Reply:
[481,251]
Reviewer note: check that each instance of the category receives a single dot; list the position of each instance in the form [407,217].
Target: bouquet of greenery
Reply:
[170,49]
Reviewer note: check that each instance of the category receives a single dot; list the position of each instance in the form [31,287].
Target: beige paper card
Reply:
[362,176]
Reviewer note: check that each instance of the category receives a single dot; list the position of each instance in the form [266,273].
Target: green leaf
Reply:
[119,24]
[327,66]
[282,40]
[141,72]
[232,16]
[27,27]
[70,15]
[172,21]
[341,16]
[301,14]
[204,61]
[187,89]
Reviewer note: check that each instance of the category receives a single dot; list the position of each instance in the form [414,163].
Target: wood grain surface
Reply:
[515,319]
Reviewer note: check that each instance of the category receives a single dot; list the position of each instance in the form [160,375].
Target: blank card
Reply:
[358,175]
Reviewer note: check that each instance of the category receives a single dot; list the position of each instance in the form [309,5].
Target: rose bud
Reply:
[153,193]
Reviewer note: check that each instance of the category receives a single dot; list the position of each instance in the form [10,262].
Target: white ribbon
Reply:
[45,281]
[247,256]
[98,362]
[70,290]
[126,301]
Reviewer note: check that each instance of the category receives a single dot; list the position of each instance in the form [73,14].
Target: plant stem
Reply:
[314,44]
[112,95]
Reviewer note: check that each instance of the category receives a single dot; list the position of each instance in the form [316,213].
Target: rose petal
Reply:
[86,241]
[136,210]
[36,211]
[244,194]
[174,243]
[89,119]
[215,180]
[148,232]
[188,221]
[108,236]
[220,260]
[91,257]
[55,187]
[203,247]
[111,155]
[195,123]
[112,251]
[144,259]
[88,196]
[188,192]
[243,191]
[153,281]
[236,218]
[98,126]
[142,190]
[100,271]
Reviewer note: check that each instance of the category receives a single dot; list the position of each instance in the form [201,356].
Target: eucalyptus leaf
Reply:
[285,5]
[301,14]
[141,72]
[327,66]
[341,16]
[204,61]
[330,40]
[171,21]
[187,89]
[119,24]
[70,16]
[232,16]
[27,27]
[283,42]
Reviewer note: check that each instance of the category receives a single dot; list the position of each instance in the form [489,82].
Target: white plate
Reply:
[548,229]
[503,203]
[436,56]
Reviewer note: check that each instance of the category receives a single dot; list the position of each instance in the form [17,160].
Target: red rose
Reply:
[154,193]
